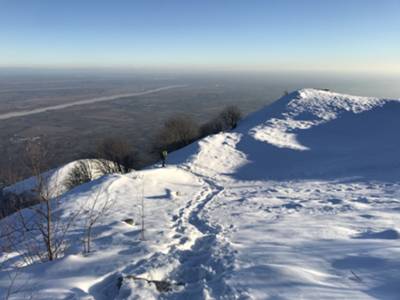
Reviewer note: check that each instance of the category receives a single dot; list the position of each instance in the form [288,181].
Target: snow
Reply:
[300,201]
[54,179]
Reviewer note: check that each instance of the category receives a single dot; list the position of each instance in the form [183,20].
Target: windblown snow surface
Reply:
[300,201]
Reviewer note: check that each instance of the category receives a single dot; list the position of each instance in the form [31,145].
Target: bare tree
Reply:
[18,234]
[227,119]
[230,116]
[119,153]
[94,210]
[36,159]
[16,284]
[38,233]
[12,278]
[10,289]
[177,132]
[212,127]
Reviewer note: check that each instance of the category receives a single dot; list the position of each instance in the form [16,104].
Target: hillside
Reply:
[301,200]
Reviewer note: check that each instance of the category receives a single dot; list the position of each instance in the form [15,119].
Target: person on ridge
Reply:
[164,154]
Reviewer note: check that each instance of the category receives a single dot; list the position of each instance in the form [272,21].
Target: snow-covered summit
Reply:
[300,201]
[311,133]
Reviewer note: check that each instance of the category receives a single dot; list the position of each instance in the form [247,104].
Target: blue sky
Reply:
[337,35]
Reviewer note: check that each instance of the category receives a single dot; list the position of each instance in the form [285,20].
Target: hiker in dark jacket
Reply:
[164,155]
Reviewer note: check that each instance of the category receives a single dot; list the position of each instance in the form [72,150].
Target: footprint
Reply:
[334,201]
[362,200]
[366,216]
[292,205]
[388,234]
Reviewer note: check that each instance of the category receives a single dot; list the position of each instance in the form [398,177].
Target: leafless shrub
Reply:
[94,210]
[212,127]
[117,151]
[80,174]
[227,119]
[230,116]
[37,156]
[16,286]
[104,166]
[12,277]
[177,132]
[37,233]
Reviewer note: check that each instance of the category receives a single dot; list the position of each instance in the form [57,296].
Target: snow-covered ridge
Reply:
[301,200]
[281,125]
[307,108]
[325,130]
[55,179]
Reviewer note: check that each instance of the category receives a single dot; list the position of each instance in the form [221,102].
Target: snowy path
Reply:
[199,259]
[204,267]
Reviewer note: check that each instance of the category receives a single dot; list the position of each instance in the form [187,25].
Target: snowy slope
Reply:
[314,134]
[301,201]
[54,179]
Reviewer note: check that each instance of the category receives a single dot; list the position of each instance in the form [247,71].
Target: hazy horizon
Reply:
[384,85]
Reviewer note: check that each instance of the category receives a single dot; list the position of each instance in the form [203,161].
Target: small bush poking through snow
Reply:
[80,174]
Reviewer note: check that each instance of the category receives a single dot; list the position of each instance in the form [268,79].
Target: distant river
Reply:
[23,113]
